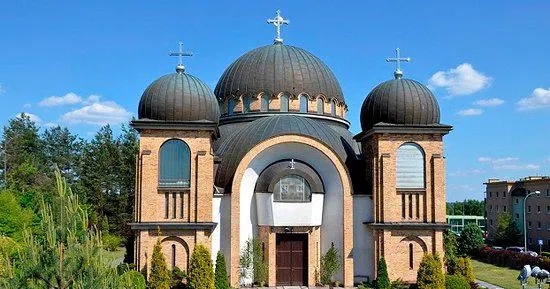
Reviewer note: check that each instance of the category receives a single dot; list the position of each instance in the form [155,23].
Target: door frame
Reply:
[304,237]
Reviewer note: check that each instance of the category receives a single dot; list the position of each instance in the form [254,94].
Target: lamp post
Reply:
[525,218]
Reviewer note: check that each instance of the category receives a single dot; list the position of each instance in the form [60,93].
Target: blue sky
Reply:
[487,62]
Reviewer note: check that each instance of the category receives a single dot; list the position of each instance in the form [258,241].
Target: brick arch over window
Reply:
[410,167]
[174,164]
[176,252]
[413,249]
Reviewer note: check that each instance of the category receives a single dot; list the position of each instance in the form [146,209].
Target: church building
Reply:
[268,156]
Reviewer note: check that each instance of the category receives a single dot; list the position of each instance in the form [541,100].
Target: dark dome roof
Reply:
[278,68]
[178,97]
[400,102]
[234,148]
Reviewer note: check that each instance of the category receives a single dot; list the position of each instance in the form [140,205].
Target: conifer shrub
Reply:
[132,279]
[464,269]
[179,279]
[220,274]
[456,282]
[159,277]
[330,263]
[430,273]
[382,279]
[201,271]
[111,242]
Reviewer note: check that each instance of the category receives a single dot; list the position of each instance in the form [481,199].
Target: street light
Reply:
[525,218]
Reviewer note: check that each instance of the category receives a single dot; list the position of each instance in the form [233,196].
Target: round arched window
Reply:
[292,188]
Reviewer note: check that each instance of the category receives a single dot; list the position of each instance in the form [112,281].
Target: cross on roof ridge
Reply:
[398,73]
[180,68]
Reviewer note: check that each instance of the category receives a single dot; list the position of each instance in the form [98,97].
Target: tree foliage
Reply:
[13,218]
[464,269]
[466,207]
[330,263]
[382,279]
[201,271]
[507,232]
[220,274]
[456,282]
[159,276]
[450,244]
[430,274]
[470,240]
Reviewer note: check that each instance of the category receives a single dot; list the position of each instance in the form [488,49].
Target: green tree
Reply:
[159,277]
[201,272]
[132,279]
[470,240]
[507,232]
[456,282]
[450,244]
[220,274]
[382,279]
[466,207]
[61,149]
[464,269]
[330,263]
[179,279]
[13,218]
[430,274]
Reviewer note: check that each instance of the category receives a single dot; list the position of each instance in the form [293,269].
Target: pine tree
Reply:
[159,277]
[382,279]
[220,274]
[430,274]
[330,263]
[464,268]
[201,272]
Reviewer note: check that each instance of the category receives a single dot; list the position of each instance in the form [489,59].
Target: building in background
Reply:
[507,197]
[457,222]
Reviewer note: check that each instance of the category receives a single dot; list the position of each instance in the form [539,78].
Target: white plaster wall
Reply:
[221,236]
[332,230]
[271,213]
[216,217]
[363,251]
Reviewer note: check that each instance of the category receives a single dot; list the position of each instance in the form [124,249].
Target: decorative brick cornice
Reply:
[408,225]
[209,226]
[173,125]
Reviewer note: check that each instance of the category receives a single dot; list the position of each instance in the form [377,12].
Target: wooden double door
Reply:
[291,259]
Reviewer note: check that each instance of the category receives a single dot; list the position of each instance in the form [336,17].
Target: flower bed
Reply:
[511,259]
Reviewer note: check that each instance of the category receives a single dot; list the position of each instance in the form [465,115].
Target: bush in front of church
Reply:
[159,278]
[330,263]
[201,272]
[132,279]
[464,269]
[220,274]
[456,282]
[430,274]
[382,279]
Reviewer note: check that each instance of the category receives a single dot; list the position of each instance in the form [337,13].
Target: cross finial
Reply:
[291,164]
[278,21]
[180,68]
[398,73]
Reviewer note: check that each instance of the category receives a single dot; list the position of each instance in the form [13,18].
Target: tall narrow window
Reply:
[319,105]
[246,104]
[303,103]
[174,203]
[411,256]
[230,106]
[333,108]
[173,256]
[284,103]
[418,206]
[265,103]
[403,206]
[181,205]
[166,205]
[410,167]
[174,163]
[410,206]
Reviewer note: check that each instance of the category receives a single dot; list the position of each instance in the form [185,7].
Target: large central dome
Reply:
[277,70]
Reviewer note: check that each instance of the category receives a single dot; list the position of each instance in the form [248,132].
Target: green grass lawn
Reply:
[500,276]
[114,258]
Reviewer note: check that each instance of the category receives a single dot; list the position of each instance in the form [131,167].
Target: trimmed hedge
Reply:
[456,282]
[510,259]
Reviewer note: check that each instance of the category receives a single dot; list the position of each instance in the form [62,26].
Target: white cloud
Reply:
[2,89]
[67,99]
[483,159]
[462,80]
[489,102]
[462,173]
[99,113]
[32,117]
[470,112]
[540,98]
[507,163]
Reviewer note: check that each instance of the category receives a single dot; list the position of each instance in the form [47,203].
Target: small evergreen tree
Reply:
[159,277]
[179,279]
[464,269]
[382,279]
[220,274]
[430,275]
[330,263]
[470,240]
[450,246]
[456,282]
[132,279]
[201,272]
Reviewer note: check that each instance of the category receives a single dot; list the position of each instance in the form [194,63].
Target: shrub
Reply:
[179,279]
[470,240]
[511,259]
[398,284]
[464,269]
[450,246]
[201,272]
[259,263]
[330,263]
[111,242]
[456,282]
[382,279]
[220,274]
[132,279]
[430,275]
[159,277]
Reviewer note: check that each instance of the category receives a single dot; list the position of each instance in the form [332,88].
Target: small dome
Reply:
[399,102]
[278,68]
[178,97]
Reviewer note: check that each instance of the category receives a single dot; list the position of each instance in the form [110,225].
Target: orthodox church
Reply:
[268,156]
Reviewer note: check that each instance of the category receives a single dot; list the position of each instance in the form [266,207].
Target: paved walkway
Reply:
[487,285]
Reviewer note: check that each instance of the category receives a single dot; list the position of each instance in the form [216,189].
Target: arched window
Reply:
[174,164]
[284,103]
[265,103]
[319,105]
[303,103]
[230,106]
[410,167]
[332,108]
[246,104]
[292,188]
[411,261]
